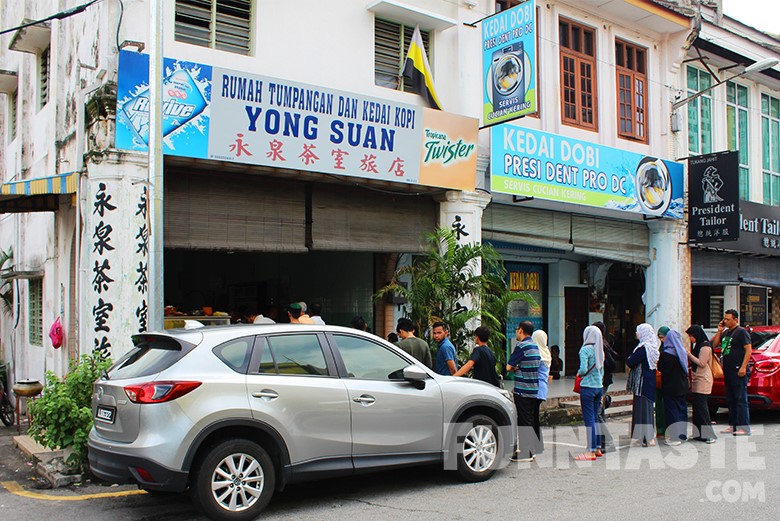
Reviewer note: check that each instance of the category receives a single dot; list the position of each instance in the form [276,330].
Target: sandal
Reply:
[584,457]
[599,453]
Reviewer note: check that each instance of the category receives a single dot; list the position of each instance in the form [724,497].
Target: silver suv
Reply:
[236,412]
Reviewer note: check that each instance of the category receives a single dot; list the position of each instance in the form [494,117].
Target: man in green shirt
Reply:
[417,347]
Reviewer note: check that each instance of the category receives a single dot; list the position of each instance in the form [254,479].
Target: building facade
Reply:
[295,165]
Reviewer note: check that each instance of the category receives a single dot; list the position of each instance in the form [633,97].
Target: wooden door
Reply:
[576,309]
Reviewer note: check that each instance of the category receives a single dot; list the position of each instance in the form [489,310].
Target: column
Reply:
[668,281]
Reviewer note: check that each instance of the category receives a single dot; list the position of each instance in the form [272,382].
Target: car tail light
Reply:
[159,392]
[767,366]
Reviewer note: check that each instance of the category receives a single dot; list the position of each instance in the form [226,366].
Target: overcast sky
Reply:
[761,14]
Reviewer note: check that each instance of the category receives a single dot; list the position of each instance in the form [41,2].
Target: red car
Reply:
[764,383]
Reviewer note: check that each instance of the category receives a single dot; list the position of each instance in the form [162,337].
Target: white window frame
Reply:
[390,55]
[733,133]
[770,156]
[696,108]
[225,32]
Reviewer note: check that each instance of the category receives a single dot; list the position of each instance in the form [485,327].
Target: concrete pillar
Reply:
[730,298]
[667,287]
[113,273]
[462,212]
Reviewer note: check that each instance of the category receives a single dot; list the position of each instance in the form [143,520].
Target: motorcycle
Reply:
[6,407]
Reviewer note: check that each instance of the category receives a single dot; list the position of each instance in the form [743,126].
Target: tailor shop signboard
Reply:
[531,163]
[759,229]
[713,198]
[227,115]
[509,63]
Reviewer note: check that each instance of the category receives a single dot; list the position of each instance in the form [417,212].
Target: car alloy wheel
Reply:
[234,481]
[478,446]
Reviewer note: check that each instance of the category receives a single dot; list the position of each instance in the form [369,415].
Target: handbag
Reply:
[578,379]
[634,381]
[715,367]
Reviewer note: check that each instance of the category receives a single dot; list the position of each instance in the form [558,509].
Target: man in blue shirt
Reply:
[446,359]
[525,362]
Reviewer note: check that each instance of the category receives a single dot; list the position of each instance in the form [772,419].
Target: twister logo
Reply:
[439,149]
[185,100]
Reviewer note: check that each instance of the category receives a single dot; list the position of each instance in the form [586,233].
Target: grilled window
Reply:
[13,100]
[43,72]
[578,74]
[225,25]
[737,129]
[35,312]
[391,44]
[699,113]
[770,141]
[631,66]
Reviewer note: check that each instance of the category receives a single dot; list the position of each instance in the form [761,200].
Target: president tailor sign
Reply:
[713,198]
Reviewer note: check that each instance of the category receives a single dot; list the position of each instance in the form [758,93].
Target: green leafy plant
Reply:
[6,288]
[441,279]
[62,416]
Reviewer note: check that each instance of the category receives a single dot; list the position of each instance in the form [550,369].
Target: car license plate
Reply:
[105,414]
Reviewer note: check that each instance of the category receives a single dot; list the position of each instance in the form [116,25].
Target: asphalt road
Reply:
[735,478]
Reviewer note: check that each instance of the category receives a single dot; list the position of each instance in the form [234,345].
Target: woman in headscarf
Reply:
[592,372]
[701,383]
[673,364]
[540,339]
[660,410]
[610,356]
[643,362]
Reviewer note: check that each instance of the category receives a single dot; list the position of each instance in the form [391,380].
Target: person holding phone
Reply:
[735,348]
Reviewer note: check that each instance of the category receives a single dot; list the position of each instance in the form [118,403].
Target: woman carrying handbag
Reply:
[641,382]
[701,359]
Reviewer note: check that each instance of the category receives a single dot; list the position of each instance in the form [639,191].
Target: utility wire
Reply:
[59,16]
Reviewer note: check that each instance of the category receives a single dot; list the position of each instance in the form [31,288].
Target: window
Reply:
[369,361]
[43,72]
[503,5]
[295,354]
[35,312]
[236,353]
[13,101]
[737,128]
[578,75]
[391,45]
[225,25]
[631,62]
[699,113]
[770,140]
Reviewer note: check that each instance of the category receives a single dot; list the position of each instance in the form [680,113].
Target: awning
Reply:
[37,195]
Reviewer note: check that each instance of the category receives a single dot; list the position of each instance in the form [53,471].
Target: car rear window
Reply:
[149,356]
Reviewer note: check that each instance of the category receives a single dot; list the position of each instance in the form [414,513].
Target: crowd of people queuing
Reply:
[662,375]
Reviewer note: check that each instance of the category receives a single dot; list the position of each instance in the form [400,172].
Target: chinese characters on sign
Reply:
[101,311]
[713,198]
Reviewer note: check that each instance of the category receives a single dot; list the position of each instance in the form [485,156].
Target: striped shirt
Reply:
[525,359]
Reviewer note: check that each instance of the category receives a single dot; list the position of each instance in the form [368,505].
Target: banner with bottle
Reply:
[226,115]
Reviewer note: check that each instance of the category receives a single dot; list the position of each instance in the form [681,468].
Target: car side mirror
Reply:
[415,376]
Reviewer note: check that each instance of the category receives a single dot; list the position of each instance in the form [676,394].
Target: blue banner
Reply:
[537,164]
[509,63]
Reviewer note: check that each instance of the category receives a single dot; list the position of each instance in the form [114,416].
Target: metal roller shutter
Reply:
[354,219]
[760,271]
[529,226]
[714,269]
[218,211]
[621,241]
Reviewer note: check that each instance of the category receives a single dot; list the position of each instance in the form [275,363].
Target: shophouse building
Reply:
[298,164]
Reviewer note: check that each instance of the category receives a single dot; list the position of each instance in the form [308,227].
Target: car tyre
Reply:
[478,447]
[234,481]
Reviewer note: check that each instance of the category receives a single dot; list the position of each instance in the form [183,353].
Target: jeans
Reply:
[590,398]
[737,400]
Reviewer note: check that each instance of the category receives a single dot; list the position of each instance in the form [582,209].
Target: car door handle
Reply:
[266,393]
[364,399]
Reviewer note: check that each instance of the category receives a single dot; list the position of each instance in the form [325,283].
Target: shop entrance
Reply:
[625,310]
[576,321]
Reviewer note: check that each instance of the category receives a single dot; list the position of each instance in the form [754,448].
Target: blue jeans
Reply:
[590,398]
[737,400]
